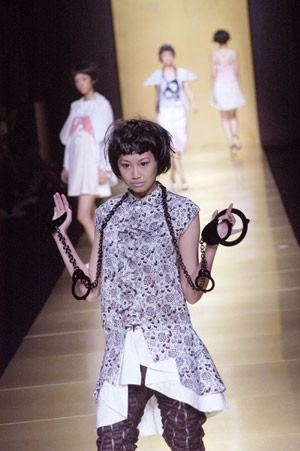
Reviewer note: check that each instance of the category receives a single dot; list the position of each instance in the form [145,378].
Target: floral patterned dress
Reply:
[144,314]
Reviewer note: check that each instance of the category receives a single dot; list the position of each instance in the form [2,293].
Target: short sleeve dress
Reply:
[172,104]
[83,136]
[145,316]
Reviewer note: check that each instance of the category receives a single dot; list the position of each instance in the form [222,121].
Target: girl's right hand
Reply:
[222,227]
[64,175]
[61,207]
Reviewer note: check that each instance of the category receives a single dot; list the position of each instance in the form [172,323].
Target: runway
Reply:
[250,324]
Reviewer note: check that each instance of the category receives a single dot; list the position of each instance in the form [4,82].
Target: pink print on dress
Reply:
[84,122]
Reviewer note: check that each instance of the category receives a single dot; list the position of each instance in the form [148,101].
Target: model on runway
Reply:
[84,169]
[156,375]
[171,85]
[226,94]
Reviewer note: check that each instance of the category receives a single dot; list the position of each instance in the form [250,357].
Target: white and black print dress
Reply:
[140,287]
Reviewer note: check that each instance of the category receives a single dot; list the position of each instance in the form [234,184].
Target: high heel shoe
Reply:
[236,142]
[185,186]
[174,187]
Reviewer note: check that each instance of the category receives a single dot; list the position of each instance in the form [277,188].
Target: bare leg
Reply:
[85,214]
[176,166]
[235,128]
[226,121]
[233,122]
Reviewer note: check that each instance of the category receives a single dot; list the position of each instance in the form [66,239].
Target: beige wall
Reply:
[141,26]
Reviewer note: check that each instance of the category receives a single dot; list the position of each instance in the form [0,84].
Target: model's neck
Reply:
[89,95]
[142,194]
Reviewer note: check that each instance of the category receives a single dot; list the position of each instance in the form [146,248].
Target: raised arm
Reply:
[189,249]
[61,207]
[188,246]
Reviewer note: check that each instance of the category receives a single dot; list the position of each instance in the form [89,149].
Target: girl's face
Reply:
[84,84]
[139,171]
[167,58]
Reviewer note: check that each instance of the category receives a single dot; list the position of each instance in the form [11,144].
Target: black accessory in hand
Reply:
[210,232]
[51,225]
[78,275]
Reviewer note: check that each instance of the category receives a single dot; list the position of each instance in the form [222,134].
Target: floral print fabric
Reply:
[140,285]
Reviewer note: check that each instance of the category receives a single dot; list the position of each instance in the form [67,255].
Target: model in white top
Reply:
[171,88]
[226,94]
[85,169]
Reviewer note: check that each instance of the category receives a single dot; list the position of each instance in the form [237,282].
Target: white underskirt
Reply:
[175,122]
[228,96]
[161,376]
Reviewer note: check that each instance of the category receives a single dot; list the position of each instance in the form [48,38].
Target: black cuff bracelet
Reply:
[210,232]
[51,225]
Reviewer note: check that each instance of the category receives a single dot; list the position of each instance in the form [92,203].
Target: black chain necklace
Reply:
[203,272]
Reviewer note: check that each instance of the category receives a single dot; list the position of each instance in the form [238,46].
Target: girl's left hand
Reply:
[102,177]
[222,227]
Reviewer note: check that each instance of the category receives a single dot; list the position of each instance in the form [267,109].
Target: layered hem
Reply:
[161,376]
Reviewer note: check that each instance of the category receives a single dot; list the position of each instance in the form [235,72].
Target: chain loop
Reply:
[203,273]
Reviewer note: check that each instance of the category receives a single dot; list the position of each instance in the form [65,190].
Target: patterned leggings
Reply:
[182,423]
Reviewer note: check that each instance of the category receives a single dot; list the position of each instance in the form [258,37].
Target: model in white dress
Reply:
[83,135]
[226,95]
[85,169]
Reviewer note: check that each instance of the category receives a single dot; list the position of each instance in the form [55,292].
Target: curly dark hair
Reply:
[89,68]
[138,136]
[165,48]
[221,36]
